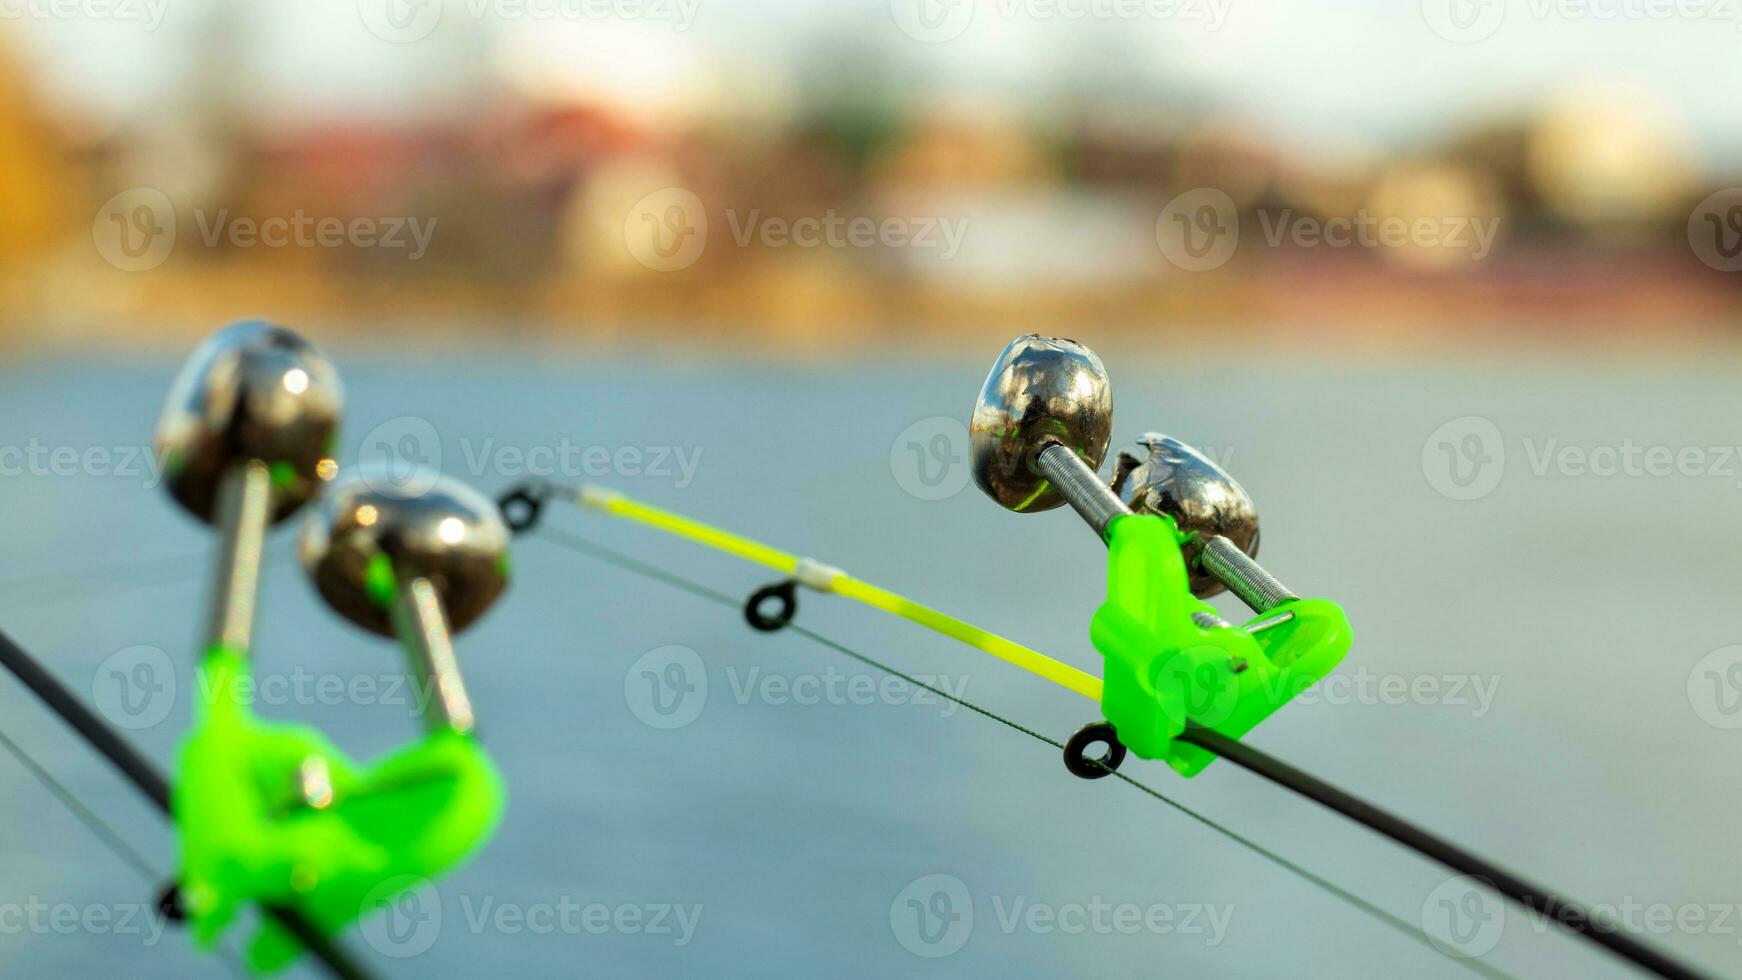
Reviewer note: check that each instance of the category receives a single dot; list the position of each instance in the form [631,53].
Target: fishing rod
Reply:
[1414,932]
[244,435]
[274,815]
[150,781]
[247,437]
[523,507]
[1181,684]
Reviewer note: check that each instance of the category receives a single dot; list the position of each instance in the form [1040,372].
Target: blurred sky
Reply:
[1323,74]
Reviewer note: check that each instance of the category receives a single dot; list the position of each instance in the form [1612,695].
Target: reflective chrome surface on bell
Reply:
[449,534]
[1041,391]
[252,391]
[1184,484]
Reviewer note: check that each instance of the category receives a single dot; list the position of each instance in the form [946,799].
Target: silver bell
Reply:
[1041,391]
[1184,484]
[420,566]
[449,534]
[253,392]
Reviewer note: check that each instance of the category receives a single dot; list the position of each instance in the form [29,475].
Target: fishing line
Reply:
[144,573]
[85,815]
[104,831]
[522,508]
[629,563]
[143,774]
[146,777]
[114,569]
[1566,912]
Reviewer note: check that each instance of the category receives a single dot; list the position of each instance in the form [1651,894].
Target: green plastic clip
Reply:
[1171,661]
[276,814]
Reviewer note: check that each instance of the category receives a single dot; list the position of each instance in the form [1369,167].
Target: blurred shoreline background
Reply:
[1451,286]
[640,179]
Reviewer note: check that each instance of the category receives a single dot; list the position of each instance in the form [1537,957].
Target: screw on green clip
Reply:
[276,814]
[1172,662]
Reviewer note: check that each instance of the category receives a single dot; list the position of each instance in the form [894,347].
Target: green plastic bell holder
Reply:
[249,834]
[1165,671]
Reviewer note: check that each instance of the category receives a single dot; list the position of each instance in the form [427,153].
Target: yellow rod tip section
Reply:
[1033,661]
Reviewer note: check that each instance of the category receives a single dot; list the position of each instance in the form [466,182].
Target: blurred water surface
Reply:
[1582,603]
